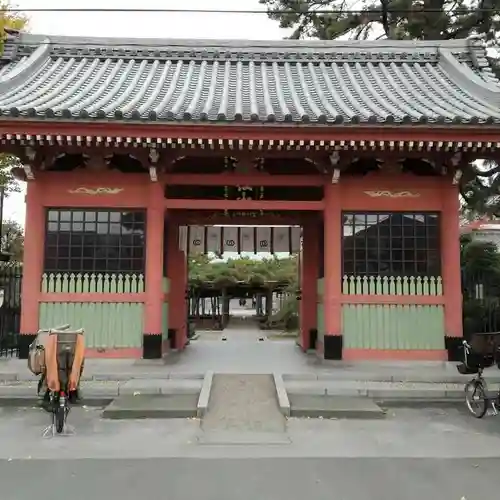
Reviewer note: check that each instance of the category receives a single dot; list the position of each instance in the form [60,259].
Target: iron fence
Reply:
[11,274]
[481,303]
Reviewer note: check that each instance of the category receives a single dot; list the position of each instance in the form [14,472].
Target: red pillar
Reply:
[332,217]
[450,267]
[177,275]
[309,282]
[152,338]
[32,265]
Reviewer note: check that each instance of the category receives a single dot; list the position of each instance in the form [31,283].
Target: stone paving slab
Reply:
[35,402]
[334,407]
[152,406]
[107,388]
[106,377]
[89,390]
[493,376]
[384,375]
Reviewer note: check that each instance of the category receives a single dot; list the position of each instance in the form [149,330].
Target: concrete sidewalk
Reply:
[118,370]
[100,392]
[446,373]
[96,390]
[310,369]
[107,379]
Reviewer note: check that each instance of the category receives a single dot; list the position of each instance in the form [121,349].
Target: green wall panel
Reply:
[164,311]
[393,326]
[320,321]
[107,325]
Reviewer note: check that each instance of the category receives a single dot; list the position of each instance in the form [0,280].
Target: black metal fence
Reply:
[481,303]
[11,274]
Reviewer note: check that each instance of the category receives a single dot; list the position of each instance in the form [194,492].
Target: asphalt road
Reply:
[424,454]
[250,479]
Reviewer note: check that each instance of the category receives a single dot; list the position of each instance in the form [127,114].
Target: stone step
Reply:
[325,406]
[152,406]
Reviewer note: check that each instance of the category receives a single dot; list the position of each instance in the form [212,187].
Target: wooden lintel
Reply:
[188,204]
[237,179]
[250,155]
[186,218]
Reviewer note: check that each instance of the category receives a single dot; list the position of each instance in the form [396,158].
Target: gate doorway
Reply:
[10,309]
[240,274]
[242,278]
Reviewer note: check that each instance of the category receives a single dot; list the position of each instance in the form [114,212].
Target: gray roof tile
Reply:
[225,81]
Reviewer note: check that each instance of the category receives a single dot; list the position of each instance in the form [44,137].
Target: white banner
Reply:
[247,239]
[296,237]
[263,239]
[230,242]
[214,239]
[199,239]
[183,237]
[281,239]
[196,239]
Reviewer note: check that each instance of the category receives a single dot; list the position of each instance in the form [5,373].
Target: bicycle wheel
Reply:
[60,417]
[476,398]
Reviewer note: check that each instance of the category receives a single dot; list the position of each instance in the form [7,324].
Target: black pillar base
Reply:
[151,345]
[172,338]
[24,340]
[312,338]
[454,347]
[332,347]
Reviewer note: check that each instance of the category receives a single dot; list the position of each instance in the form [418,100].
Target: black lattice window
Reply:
[95,241]
[391,244]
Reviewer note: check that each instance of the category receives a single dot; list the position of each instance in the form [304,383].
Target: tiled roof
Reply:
[379,82]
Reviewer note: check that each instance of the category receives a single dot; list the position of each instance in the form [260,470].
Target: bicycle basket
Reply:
[473,361]
[463,369]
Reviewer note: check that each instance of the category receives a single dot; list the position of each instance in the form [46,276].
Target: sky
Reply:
[143,25]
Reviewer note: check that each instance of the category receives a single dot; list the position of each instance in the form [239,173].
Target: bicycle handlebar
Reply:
[62,327]
[66,326]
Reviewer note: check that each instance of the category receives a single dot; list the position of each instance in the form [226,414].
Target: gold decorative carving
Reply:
[392,194]
[95,191]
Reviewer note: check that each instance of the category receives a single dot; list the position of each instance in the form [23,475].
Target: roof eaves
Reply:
[485,91]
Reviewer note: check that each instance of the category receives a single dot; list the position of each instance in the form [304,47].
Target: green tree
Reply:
[480,262]
[9,21]
[479,190]
[268,272]
[394,19]
[405,20]
[12,241]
